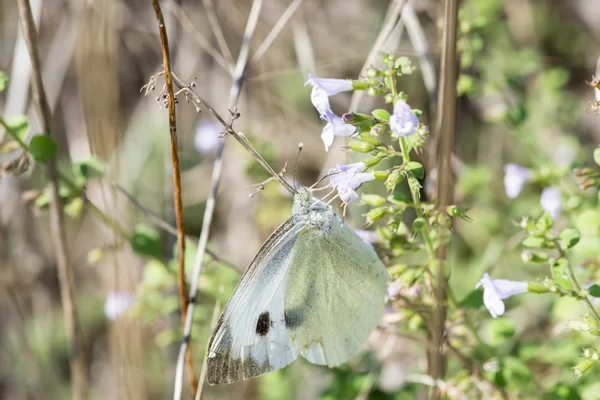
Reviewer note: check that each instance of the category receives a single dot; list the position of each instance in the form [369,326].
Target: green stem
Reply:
[13,135]
[575,283]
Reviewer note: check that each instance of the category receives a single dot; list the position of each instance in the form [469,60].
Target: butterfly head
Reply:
[308,208]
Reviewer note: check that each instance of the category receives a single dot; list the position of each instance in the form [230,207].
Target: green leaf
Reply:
[597,156]
[3,80]
[499,331]
[473,300]
[535,242]
[416,169]
[559,274]
[146,241]
[594,290]
[88,169]
[18,124]
[381,114]
[568,238]
[74,207]
[42,148]
[399,198]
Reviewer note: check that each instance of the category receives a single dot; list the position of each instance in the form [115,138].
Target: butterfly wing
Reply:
[250,338]
[335,293]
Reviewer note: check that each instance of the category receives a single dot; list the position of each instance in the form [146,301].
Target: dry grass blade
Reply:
[176,182]
[65,272]
[238,78]
[445,128]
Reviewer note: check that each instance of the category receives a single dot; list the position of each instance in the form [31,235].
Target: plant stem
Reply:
[164,41]
[575,283]
[65,273]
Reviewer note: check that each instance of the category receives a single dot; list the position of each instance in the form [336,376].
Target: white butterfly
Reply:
[314,288]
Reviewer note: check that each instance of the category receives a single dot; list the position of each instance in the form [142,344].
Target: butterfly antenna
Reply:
[300,147]
[319,181]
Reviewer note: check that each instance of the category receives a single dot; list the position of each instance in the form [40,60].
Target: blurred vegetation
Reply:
[523,100]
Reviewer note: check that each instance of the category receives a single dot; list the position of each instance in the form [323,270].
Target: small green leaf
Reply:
[597,156]
[3,80]
[473,300]
[74,207]
[594,290]
[399,198]
[568,238]
[381,114]
[88,169]
[18,124]
[146,241]
[559,274]
[416,169]
[42,148]
[544,222]
[535,242]
[499,331]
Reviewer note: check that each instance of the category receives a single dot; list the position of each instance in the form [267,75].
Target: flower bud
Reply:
[373,200]
[361,147]
[376,214]
[582,368]
[367,137]
[381,175]
[537,287]
[360,85]
[534,256]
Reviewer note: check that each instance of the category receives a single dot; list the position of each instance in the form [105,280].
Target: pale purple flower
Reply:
[394,289]
[117,303]
[207,138]
[565,154]
[403,121]
[496,290]
[515,177]
[335,127]
[551,202]
[347,178]
[369,237]
[322,88]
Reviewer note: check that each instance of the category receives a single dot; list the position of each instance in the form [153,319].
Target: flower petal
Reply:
[329,85]
[327,136]
[206,139]
[320,100]
[493,303]
[551,202]
[403,121]
[515,177]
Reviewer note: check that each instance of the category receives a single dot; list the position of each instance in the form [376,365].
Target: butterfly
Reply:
[314,289]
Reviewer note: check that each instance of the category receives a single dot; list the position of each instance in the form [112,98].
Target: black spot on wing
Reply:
[264,324]
[293,318]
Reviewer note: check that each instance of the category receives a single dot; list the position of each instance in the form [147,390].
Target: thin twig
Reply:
[421,47]
[164,225]
[445,128]
[65,273]
[213,20]
[198,37]
[199,101]
[281,23]
[164,41]
[234,93]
